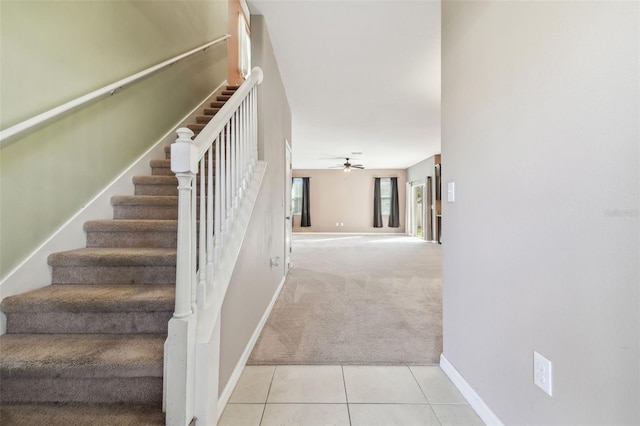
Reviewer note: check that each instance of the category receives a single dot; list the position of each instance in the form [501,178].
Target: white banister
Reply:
[224,155]
[110,89]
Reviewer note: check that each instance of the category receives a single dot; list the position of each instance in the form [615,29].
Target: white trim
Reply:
[479,406]
[246,13]
[237,371]
[34,272]
[350,233]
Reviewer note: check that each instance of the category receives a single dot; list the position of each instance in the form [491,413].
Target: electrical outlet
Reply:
[542,373]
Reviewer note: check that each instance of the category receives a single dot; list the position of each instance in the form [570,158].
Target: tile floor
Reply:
[304,395]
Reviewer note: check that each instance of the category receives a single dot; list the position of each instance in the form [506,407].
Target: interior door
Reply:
[288,222]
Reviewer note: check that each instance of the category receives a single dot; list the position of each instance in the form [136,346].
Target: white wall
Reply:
[540,132]
[419,171]
[255,282]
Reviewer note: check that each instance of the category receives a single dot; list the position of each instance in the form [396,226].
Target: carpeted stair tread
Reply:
[93,298]
[204,118]
[166,163]
[155,180]
[118,256]
[161,167]
[144,200]
[69,414]
[149,207]
[195,127]
[210,112]
[81,355]
[158,185]
[131,233]
[217,104]
[228,92]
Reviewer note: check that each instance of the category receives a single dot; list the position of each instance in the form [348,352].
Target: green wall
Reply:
[54,51]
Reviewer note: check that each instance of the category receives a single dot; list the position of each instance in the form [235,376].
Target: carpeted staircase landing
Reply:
[88,349]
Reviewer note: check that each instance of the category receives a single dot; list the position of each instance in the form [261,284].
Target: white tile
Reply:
[307,384]
[253,385]
[436,386]
[305,414]
[457,415]
[241,415]
[367,384]
[392,415]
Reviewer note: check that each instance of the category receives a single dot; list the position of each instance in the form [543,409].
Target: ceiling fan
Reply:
[347,166]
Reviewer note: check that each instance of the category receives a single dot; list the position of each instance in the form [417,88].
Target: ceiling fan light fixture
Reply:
[346,169]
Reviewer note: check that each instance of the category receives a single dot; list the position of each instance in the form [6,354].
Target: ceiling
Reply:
[360,76]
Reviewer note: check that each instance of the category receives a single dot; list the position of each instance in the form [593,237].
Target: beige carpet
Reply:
[371,300]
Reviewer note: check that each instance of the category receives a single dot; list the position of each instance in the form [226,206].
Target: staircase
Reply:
[91,345]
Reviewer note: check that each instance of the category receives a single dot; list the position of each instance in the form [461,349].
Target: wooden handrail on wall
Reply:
[111,89]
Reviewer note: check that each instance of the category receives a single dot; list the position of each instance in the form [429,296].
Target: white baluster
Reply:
[254,143]
[228,192]
[201,249]
[234,166]
[219,183]
[240,154]
[210,218]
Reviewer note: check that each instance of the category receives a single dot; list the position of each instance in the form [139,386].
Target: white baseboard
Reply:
[470,395]
[242,362]
[392,234]
[34,272]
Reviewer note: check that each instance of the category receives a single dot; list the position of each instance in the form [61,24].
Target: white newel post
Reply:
[180,344]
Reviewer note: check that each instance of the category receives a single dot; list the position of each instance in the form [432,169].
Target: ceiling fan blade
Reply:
[357,166]
[336,167]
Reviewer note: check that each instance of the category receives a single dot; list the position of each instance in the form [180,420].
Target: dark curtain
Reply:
[394,214]
[377,205]
[306,215]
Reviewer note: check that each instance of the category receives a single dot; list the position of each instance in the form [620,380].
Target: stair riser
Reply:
[135,239]
[88,322]
[153,239]
[113,275]
[166,171]
[163,190]
[146,212]
[170,190]
[134,390]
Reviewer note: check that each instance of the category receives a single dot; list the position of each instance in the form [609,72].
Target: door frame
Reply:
[414,209]
[288,219]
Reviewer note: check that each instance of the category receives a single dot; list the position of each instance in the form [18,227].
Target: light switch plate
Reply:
[451,192]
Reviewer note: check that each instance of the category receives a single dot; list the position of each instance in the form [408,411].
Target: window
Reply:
[296,196]
[385,196]
[244,44]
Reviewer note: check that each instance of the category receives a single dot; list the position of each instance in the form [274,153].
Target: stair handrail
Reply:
[110,89]
[213,172]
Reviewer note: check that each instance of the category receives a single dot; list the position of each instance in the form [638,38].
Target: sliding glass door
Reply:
[419,223]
